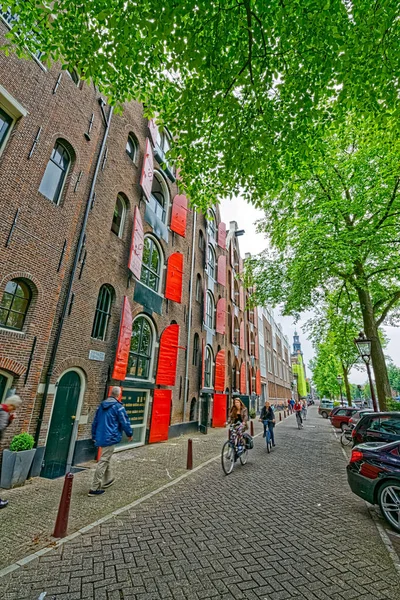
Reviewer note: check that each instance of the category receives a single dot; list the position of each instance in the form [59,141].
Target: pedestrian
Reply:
[267,417]
[304,410]
[7,414]
[109,422]
[291,402]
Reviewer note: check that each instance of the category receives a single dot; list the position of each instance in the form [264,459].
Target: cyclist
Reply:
[238,417]
[267,417]
[297,409]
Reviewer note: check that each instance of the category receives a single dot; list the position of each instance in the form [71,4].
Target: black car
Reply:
[374,474]
[377,427]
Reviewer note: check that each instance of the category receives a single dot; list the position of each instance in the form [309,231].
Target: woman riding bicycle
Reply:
[238,417]
[297,410]
[267,418]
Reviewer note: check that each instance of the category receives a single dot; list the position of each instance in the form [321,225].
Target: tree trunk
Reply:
[347,384]
[377,356]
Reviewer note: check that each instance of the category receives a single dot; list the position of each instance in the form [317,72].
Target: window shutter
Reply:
[241,336]
[241,298]
[256,347]
[219,410]
[153,129]
[222,235]
[179,215]
[243,379]
[124,342]
[258,382]
[221,274]
[160,416]
[232,287]
[136,251]
[219,384]
[168,356]
[146,179]
[173,285]
[221,310]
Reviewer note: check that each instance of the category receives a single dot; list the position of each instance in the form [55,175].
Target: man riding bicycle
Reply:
[297,410]
[267,418]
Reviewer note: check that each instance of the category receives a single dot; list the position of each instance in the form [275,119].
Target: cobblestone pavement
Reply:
[284,526]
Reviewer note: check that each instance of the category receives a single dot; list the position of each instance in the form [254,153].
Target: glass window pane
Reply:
[51,183]
[3,317]
[11,287]
[5,125]
[6,301]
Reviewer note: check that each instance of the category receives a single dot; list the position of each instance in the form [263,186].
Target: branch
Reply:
[391,303]
[383,270]
[250,39]
[389,206]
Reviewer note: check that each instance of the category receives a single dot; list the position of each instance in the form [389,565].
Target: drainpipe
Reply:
[185,395]
[60,325]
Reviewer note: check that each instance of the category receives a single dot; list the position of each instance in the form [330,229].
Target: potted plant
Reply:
[17,461]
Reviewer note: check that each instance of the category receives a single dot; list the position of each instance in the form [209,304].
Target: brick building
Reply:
[106,274]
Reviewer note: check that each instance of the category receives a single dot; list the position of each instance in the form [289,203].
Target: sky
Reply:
[246,215]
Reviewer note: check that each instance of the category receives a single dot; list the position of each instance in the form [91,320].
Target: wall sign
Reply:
[95,355]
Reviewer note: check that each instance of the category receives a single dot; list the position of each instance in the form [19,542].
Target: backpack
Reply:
[248,440]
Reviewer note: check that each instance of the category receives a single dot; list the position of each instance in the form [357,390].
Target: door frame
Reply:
[74,433]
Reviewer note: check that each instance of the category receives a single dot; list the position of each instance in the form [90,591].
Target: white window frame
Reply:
[209,350]
[153,350]
[162,264]
[14,109]
[161,179]
[210,306]
[211,266]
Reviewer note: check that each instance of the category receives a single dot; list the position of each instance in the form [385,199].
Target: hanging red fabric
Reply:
[222,235]
[146,178]
[124,342]
[241,298]
[221,273]
[168,356]
[137,243]
[241,336]
[173,284]
[219,384]
[221,310]
[258,382]
[160,416]
[219,410]
[243,379]
[179,215]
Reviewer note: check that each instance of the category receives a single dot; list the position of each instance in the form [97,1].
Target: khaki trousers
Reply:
[103,470]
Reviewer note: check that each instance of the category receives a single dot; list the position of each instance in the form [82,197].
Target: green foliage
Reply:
[392,405]
[326,367]
[22,441]
[394,377]
[252,413]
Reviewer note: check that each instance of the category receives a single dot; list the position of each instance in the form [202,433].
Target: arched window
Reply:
[210,311]
[199,290]
[212,226]
[196,349]
[151,264]
[56,171]
[14,304]
[159,196]
[211,261]
[103,313]
[141,350]
[209,368]
[132,147]
[117,225]
[236,292]
[236,331]
[192,415]
[201,240]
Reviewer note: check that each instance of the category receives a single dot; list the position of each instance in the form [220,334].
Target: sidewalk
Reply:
[27,523]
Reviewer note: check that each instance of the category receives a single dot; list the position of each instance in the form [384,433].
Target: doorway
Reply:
[62,425]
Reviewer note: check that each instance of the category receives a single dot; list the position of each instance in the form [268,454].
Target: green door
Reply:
[61,426]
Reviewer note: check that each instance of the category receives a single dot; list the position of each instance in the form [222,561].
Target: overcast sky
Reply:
[246,215]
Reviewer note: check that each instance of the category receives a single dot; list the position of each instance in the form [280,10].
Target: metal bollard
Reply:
[189,463]
[60,530]
[251,428]
[280,416]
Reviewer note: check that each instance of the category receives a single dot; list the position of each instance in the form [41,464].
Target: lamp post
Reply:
[339,379]
[363,345]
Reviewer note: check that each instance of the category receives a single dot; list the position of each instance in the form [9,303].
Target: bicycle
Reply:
[347,438]
[268,438]
[232,450]
[298,419]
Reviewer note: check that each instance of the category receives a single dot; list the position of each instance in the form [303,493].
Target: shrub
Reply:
[22,441]
[252,413]
[392,405]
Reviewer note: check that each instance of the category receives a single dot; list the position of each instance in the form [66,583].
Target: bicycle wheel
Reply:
[244,456]
[268,441]
[346,438]
[227,458]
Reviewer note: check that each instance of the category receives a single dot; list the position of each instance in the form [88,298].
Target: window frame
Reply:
[153,202]
[210,310]
[199,288]
[211,264]
[149,357]
[212,229]
[9,309]
[196,350]
[61,187]
[9,381]
[123,216]
[209,375]
[133,140]
[102,313]
[157,247]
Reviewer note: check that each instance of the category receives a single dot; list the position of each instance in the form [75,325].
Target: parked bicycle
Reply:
[347,436]
[237,447]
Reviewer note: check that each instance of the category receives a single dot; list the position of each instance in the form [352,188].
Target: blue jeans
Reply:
[270,429]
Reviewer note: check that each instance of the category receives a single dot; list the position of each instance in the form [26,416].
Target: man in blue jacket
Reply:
[109,422]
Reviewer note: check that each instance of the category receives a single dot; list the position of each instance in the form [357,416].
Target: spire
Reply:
[296,344]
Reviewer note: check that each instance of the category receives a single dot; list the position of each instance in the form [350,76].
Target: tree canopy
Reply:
[246,86]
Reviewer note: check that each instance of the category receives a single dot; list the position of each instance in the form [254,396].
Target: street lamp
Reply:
[339,379]
[363,345]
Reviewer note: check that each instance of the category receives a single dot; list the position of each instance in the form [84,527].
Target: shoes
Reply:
[263,434]
[3,503]
[273,445]
[96,492]
[109,483]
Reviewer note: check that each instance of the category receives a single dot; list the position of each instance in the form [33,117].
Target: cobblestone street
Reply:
[284,526]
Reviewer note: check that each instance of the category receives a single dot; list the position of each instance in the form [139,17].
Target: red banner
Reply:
[221,310]
[221,273]
[258,382]
[222,235]
[173,285]
[168,356]
[160,416]
[146,179]
[219,384]
[219,410]
[124,342]
[179,215]
[243,379]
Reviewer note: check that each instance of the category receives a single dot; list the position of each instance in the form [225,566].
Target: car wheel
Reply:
[389,502]
[324,415]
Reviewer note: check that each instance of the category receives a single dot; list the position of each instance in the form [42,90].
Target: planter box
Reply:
[15,467]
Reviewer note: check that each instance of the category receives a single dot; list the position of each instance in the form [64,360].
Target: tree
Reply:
[334,225]
[325,368]
[394,377]
[244,85]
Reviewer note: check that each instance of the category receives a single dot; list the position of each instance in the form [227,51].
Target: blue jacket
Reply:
[109,422]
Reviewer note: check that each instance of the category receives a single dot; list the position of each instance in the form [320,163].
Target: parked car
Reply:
[325,408]
[340,417]
[374,474]
[377,427]
[357,415]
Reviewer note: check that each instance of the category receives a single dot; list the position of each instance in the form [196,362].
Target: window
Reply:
[159,196]
[74,75]
[269,362]
[192,416]
[151,264]
[212,227]
[5,126]
[210,311]
[12,18]
[196,349]
[14,304]
[163,146]
[141,349]
[103,313]
[236,332]
[208,368]
[199,290]
[211,262]
[201,240]
[236,292]
[117,225]
[56,171]
[6,380]
[132,148]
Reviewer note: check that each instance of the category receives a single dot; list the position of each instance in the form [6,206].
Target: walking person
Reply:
[298,410]
[109,422]
[304,410]
[267,417]
[291,403]
[7,410]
